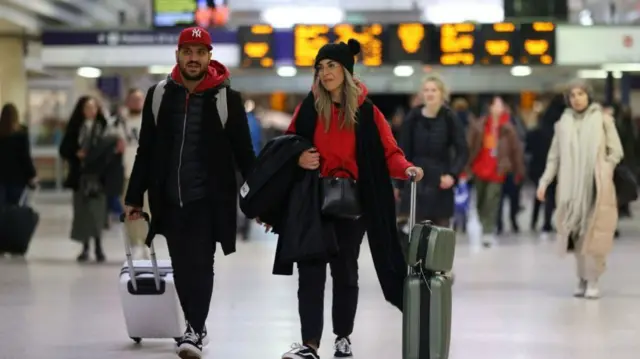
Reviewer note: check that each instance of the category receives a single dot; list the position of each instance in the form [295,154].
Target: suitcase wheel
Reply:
[137,340]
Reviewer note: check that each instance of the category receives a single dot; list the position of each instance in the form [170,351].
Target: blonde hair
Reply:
[350,94]
[440,84]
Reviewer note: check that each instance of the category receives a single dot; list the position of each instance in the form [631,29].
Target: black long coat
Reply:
[223,149]
[439,146]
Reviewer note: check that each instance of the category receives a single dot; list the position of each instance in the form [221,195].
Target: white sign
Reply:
[597,45]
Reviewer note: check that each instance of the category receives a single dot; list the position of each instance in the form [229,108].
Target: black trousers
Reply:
[549,207]
[510,192]
[344,271]
[189,234]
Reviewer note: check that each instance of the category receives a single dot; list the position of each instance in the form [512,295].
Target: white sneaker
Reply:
[299,351]
[592,291]
[190,345]
[580,289]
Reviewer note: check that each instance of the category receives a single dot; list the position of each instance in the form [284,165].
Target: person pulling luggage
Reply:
[352,142]
[186,160]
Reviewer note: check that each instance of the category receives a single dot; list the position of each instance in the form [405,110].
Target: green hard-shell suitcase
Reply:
[427,290]
[426,318]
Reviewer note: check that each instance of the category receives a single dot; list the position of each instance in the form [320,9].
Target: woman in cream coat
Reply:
[583,155]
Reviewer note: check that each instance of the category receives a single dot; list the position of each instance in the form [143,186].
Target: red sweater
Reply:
[337,147]
[485,165]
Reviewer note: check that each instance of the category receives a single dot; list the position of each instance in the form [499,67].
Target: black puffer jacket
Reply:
[187,181]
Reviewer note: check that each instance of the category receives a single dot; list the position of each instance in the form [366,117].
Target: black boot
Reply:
[100,257]
[84,255]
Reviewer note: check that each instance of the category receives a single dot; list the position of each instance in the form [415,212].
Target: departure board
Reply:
[496,44]
[407,42]
[256,46]
[538,43]
[308,39]
[462,44]
[457,42]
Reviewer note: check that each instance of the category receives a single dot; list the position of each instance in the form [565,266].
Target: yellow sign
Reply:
[456,44]
[411,36]
[307,41]
[369,38]
[256,46]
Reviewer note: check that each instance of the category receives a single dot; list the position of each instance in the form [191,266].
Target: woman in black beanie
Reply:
[351,139]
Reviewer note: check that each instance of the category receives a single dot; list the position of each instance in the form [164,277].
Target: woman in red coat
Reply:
[351,139]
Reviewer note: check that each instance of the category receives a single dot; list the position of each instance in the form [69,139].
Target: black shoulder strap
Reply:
[366,109]
[306,118]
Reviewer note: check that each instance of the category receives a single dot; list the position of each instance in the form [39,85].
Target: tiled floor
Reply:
[510,302]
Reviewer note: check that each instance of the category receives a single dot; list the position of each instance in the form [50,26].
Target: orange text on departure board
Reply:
[456,44]
[369,38]
[500,48]
[307,41]
[538,47]
[259,50]
[411,36]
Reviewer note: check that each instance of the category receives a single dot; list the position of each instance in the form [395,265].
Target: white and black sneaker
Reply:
[299,351]
[190,345]
[204,336]
[343,348]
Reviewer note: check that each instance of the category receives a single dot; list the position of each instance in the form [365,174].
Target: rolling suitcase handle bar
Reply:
[412,222]
[154,260]
[412,207]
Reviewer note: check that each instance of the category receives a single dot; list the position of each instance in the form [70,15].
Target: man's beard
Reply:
[135,111]
[188,77]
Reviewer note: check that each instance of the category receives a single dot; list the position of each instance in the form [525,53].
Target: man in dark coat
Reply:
[186,159]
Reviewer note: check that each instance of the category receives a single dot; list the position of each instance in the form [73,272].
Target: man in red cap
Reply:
[194,134]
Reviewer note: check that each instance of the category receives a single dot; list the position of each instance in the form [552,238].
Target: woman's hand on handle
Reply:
[415,172]
[309,159]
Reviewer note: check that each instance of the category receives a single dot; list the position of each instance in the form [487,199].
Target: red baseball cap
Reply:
[195,36]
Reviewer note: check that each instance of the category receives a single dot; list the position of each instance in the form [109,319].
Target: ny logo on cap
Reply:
[196,33]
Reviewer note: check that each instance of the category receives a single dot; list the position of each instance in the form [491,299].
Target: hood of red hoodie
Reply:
[217,75]
[363,91]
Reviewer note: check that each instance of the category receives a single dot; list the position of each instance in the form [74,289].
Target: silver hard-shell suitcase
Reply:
[427,314]
[148,295]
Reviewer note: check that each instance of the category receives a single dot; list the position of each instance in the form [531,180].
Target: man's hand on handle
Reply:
[133,213]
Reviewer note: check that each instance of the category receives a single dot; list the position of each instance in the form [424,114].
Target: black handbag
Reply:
[626,185]
[340,196]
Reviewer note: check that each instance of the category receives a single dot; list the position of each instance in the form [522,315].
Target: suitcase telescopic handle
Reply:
[412,202]
[412,209]
[127,248]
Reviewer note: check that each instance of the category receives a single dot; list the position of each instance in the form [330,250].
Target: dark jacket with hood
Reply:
[539,140]
[376,192]
[186,155]
[287,197]
[439,146]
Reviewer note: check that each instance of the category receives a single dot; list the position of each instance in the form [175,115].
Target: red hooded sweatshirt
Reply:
[485,166]
[217,74]
[337,147]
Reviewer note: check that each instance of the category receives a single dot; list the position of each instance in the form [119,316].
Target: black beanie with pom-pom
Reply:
[341,53]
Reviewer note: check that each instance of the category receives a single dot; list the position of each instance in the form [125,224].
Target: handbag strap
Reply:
[341,169]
